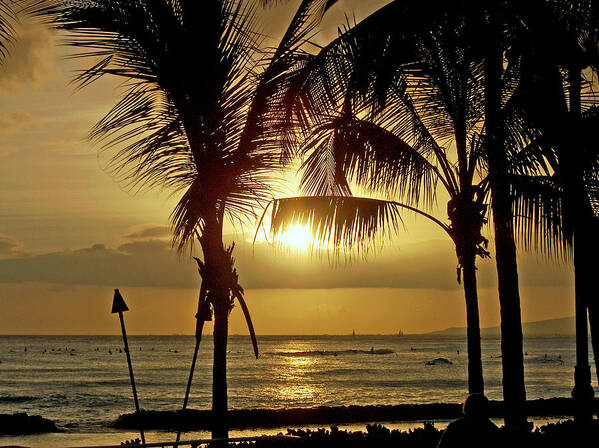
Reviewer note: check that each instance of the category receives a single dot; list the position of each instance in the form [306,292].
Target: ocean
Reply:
[82,382]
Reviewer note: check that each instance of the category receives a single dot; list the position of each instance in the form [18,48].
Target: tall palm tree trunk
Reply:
[576,193]
[219,296]
[220,427]
[514,392]
[466,222]
[583,390]
[475,366]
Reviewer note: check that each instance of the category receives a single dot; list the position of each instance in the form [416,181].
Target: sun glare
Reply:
[297,236]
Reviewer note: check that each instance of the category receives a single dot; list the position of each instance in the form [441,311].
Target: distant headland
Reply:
[564,326]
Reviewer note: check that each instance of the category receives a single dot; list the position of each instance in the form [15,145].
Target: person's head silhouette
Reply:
[476,406]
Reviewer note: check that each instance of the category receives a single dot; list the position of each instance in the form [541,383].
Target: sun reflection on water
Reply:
[296,383]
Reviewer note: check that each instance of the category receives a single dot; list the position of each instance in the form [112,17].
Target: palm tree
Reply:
[555,72]
[396,150]
[514,392]
[192,118]
[581,22]
[407,37]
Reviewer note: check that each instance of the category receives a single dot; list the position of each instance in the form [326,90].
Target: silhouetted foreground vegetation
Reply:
[551,435]
[21,423]
[272,418]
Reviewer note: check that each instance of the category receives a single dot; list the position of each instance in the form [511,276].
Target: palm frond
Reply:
[342,223]
[248,320]
[539,217]
[268,116]
[8,18]
[370,156]
[168,129]
[349,66]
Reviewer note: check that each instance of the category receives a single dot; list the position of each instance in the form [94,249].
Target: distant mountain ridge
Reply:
[564,326]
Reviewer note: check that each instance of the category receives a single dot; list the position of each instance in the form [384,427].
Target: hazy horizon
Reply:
[435,333]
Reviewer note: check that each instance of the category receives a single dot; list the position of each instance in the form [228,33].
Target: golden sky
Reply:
[69,234]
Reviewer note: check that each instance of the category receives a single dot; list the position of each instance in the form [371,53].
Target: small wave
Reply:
[558,361]
[381,351]
[353,373]
[16,399]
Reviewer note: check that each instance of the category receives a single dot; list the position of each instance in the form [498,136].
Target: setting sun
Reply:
[297,236]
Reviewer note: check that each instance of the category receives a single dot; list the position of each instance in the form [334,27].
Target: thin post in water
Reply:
[119,306]
[201,316]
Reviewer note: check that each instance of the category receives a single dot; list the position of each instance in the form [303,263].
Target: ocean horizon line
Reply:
[209,334]
[434,334]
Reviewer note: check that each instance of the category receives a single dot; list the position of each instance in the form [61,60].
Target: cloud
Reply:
[8,246]
[30,61]
[152,263]
[150,232]
[136,264]
[147,247]
[12,123]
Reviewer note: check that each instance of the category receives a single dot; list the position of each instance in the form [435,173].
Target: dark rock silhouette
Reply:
[439,361]
[21,424]
[192,419]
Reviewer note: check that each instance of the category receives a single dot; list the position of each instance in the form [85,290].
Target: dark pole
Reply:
[119,306]
[202,315]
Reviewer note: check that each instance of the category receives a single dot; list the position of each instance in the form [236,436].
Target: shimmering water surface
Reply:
[82,382]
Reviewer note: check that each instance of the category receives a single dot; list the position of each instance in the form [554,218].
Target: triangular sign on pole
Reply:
[118,303]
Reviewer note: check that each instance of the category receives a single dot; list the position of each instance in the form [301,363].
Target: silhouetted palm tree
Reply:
[560,102]
[578,169]
[406,38]
[193,117]
[395,150]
